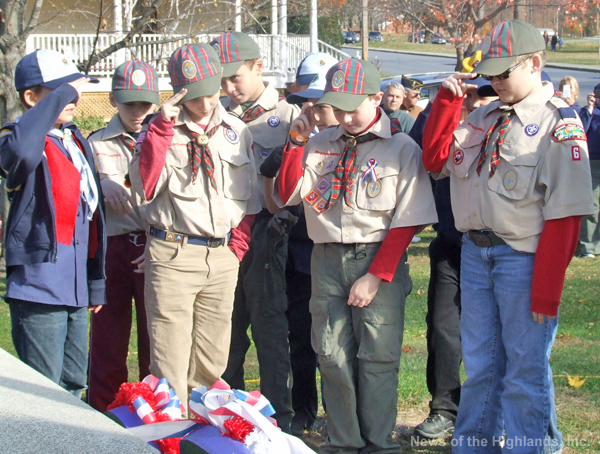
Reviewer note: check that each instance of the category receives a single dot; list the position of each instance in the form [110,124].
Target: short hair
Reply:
[541,53]
[396,85]
[250,63]
[570,80]
[36,90]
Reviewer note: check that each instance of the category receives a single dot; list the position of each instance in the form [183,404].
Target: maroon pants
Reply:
[111,327]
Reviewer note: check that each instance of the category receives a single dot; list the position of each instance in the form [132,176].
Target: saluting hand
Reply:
[458,83]
[170,110]
[304,124]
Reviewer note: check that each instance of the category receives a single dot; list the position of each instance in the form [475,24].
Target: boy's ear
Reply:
[259,65]
[537,63]
[113,101]
[378,98]
[30,97]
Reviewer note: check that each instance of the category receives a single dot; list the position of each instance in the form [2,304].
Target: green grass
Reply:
[575,51]
[576,353]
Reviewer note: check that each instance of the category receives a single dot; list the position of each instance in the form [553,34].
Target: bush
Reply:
[328,29]
[89,122]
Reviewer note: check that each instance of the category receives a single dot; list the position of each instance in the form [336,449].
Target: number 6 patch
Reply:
[575,153]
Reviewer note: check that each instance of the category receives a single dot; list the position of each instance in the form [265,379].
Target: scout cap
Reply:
[504,43]
[411,84]
[196,68]
[348,84]
[134,81]
[314,66]
[233,49]
[47,68]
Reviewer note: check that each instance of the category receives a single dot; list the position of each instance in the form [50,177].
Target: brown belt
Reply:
[485,238]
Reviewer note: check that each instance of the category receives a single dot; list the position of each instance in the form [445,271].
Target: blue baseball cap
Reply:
[313,67]
[47,68]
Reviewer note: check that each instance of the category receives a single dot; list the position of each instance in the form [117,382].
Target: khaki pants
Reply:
[359,348]
[189,299]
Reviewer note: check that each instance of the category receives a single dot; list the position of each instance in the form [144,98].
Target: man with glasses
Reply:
[412,88]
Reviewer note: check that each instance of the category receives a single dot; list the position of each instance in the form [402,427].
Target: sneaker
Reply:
[587,256]
[434,426]
[416,239]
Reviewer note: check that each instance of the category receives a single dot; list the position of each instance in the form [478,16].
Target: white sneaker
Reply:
[415,239]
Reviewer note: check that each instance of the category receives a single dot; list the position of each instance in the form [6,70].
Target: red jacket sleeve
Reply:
[390,252]
[441,124]
[554,252]
[290,171]
[239,242]
[153,153]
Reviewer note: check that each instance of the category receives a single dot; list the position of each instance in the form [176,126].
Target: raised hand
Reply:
[458,83]
[170,110]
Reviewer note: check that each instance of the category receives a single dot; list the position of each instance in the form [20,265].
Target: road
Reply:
[396,63]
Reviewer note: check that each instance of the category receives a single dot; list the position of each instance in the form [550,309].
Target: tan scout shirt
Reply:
[112,158]
[270,130]
[538,178]
[197,209]
[405,198]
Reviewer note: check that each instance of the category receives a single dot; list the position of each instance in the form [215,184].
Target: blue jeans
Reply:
[52,340]
[505,353]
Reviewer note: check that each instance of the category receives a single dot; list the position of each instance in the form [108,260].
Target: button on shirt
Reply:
[270,130]
[197,208]
[538,178]
[405,199]
[112,159]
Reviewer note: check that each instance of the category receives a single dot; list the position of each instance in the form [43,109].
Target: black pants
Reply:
[443,328]
[303,358]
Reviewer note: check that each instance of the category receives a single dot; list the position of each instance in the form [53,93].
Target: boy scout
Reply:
[519,176]
[196,170]
[134,94]
[261,294]
[365,193]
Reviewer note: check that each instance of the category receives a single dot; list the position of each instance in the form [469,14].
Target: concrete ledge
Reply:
[38,416]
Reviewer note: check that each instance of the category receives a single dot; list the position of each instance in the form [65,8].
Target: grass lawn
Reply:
[576,353]
[574,51]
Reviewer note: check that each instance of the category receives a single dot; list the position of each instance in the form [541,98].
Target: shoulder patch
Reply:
[568,131]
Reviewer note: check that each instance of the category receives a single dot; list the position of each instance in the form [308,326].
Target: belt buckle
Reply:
[481,239]
[214,242]
[173,237]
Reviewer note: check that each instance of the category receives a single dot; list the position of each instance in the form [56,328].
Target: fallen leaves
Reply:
[576,381]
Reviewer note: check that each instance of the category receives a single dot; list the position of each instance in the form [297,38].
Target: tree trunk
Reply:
[10,106]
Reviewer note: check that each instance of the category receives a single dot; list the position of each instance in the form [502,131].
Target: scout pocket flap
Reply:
[237,176]
[515,172]
[322,163]
[380,194]
[467,144]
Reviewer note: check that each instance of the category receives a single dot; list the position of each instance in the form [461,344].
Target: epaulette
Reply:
[563,108]
[94,132]
[395,126]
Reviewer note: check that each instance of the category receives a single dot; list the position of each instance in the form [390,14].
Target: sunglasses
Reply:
[506,74]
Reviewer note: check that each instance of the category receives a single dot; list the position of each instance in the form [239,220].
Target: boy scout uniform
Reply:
[261,299]
[359,348]
[113,147]
[190,270]
[544,146]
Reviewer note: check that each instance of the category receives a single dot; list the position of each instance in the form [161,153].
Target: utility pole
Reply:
[364,30]
[314,47]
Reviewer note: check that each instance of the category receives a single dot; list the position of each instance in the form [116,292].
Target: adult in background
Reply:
[393,95]
[589,236]
[412,88]
[569,91]
[546,38]
[554,42]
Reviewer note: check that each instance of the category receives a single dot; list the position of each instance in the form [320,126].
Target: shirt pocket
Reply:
[322,164]
[111,163]
[514,175]
[467,146]
[237,176]
[383,198]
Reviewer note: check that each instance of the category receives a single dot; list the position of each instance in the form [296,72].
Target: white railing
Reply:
[280,53]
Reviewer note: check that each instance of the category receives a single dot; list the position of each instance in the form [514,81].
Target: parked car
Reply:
[438,39]
[431,84]
[375,36]
[350,37]
[416,37]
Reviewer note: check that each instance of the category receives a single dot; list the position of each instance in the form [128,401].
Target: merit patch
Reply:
[264,153]
[231,135]
[312,197]
[486,44]
[320,206]
[568,131]
[273,121]
[458,156]
[138,78]
[510,180]
[323,185]
[532,129]
[338,79]
[576,153]
[217,49]
[188,68]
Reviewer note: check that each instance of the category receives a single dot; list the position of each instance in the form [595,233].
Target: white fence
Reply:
[281,54]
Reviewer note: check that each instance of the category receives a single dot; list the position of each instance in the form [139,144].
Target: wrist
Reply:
[297,138]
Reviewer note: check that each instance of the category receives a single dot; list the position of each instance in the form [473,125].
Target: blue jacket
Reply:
[30,228]
[591,124]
